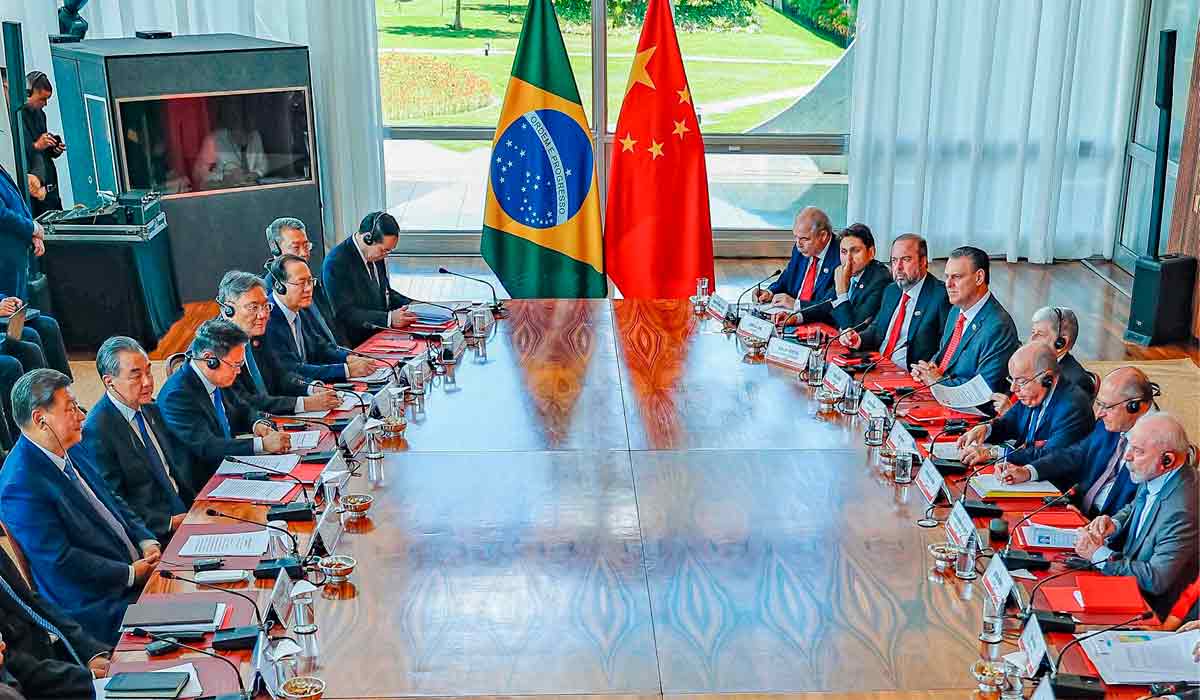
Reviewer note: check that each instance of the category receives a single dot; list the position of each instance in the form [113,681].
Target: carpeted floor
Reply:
[1180,384]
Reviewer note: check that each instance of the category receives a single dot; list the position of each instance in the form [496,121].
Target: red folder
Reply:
[1062,598]
[216,677]
[238,612]
[1111,594]
[1060,518]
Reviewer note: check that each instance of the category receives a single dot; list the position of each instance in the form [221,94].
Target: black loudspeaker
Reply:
[1160,311]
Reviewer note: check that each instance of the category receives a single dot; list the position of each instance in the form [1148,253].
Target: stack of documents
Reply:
[235,544]
[279,463]
[1138,658]
[305,439]
[1048,537]
[174,616]
[255,491]
[989,486]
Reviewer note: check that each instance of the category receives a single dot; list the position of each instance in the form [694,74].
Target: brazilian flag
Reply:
[541,223]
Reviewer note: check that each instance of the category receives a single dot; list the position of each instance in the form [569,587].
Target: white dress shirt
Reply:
[974,310]
[362,253]
[1153,488]
[210,388]
[293,319]
[845,296]
[819,261]
[61,463]
[128,414]
[900,354]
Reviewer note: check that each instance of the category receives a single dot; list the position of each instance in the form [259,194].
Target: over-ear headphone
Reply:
[1060,342]
[210,361]
[1135,405]
[1165,460]
[273,245]
[372,235]
[276,272]
[32,77]
[1048,380]
[226,308]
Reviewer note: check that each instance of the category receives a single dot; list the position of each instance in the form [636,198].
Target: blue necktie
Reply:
[156,465]
[101,509]
[39,620]
[221,417]
[259,385]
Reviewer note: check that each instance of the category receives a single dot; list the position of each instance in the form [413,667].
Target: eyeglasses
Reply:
[1098,407]
[302,245]
[1019,382]
[257,309]
[235,365]
[304,284]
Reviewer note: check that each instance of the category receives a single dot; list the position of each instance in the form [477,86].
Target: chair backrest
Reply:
[174,362]
[18,556]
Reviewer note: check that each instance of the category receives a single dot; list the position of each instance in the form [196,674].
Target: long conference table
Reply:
[606,499]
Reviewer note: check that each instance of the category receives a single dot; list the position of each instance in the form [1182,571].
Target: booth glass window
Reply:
[181,144]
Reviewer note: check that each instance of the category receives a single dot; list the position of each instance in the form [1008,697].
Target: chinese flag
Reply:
[658,235]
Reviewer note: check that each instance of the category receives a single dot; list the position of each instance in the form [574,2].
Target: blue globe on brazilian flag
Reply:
[541,222]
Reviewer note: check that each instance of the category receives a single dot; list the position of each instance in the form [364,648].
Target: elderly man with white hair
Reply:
[1058,327]
[1155,538]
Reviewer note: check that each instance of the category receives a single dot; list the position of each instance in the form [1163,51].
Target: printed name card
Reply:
[329,527]
[871,406]
[900,439]
[787,353]
[929,481]
[1033,643]
[718,306]
[837,378]
[756,327]
[959,526]
[997,583]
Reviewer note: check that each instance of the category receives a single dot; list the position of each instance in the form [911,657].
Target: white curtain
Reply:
[996,123]
[343,55]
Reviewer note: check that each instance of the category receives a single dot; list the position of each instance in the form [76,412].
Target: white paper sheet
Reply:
[1129,658]
[258,491]
[945,450]
[311,414]
[963,396]
[1048,537]
[305,440]
[237,544]
[193,688]
[986,484]
[382,374]
[280,463]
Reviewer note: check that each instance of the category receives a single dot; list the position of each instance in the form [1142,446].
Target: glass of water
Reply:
[851,398]
[814,374]
[903,469]
[876,432]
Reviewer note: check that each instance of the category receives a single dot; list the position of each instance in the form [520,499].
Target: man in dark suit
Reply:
[1097,463]
[859,281]
[295,351]
[1058,327]
[10,372]
[979,336]
[46,653]
[203,415]
[1156,537]
[912,312]
[1050,413]
[89,553]
[287,235]
[356,279]
[806,285]
[243,300]
[127,436]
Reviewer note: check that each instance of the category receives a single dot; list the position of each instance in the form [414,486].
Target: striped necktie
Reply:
[38,620]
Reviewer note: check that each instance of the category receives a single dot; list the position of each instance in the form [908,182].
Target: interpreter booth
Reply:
[220,124]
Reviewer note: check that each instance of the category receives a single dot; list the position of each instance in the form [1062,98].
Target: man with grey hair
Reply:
[806,287]
[125,433]
[287,236]
[1058,328]
[1156,538]
[88,552]
[243,300]
[1049,413]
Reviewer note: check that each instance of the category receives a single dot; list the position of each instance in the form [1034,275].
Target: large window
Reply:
[770,82]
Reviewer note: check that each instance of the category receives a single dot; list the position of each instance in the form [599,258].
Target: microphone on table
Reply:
[303,490]
[229,638]
[920,390]
[757,285]
[1069,685]
[1049,620]
[214,513]
[1031,560]
[497,306]
[237,673]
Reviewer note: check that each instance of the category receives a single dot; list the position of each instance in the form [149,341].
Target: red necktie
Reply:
[897,324]
[810,280]
[952,346]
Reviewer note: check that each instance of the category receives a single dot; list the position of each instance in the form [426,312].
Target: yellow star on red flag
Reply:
[627,143]
[638,73]
[655,149]
[680,129]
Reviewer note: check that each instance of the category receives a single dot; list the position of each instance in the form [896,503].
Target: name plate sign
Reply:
[837,378]
[787,353]
[997,583]
[871,406]
[959,526]
[930,482]
[1033,643]
[901,440]
[718,307]
[756,327]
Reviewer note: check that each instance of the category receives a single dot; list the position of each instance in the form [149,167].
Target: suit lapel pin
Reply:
[917,312]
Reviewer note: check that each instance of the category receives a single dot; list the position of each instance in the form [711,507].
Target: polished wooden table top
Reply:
[605,499]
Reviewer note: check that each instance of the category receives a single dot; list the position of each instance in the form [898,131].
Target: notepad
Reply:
[257,491]
[169,628]
[236,544]
[168,683]
[158,613]
[280,463]
[304,440]
[989,486]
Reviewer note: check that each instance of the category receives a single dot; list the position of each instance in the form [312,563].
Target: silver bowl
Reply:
[337,567]
[303,688]
[356,505]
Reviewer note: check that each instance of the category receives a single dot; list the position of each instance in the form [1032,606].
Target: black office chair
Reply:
[174,362]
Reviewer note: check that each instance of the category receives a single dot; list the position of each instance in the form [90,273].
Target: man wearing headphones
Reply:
[295,351]
[88,552]
[243,300]
[1156,537]
[201,412]
[1058,327]
[41,147]
[1049,413]
[287,235]
[129,440]
[1097,463]
[355,275]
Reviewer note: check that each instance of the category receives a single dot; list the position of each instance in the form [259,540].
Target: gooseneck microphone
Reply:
[172,576]
[1030,560]
[229,638]
[213,513]
[497,307]
[757,285]
[237,673]
[1069,685]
